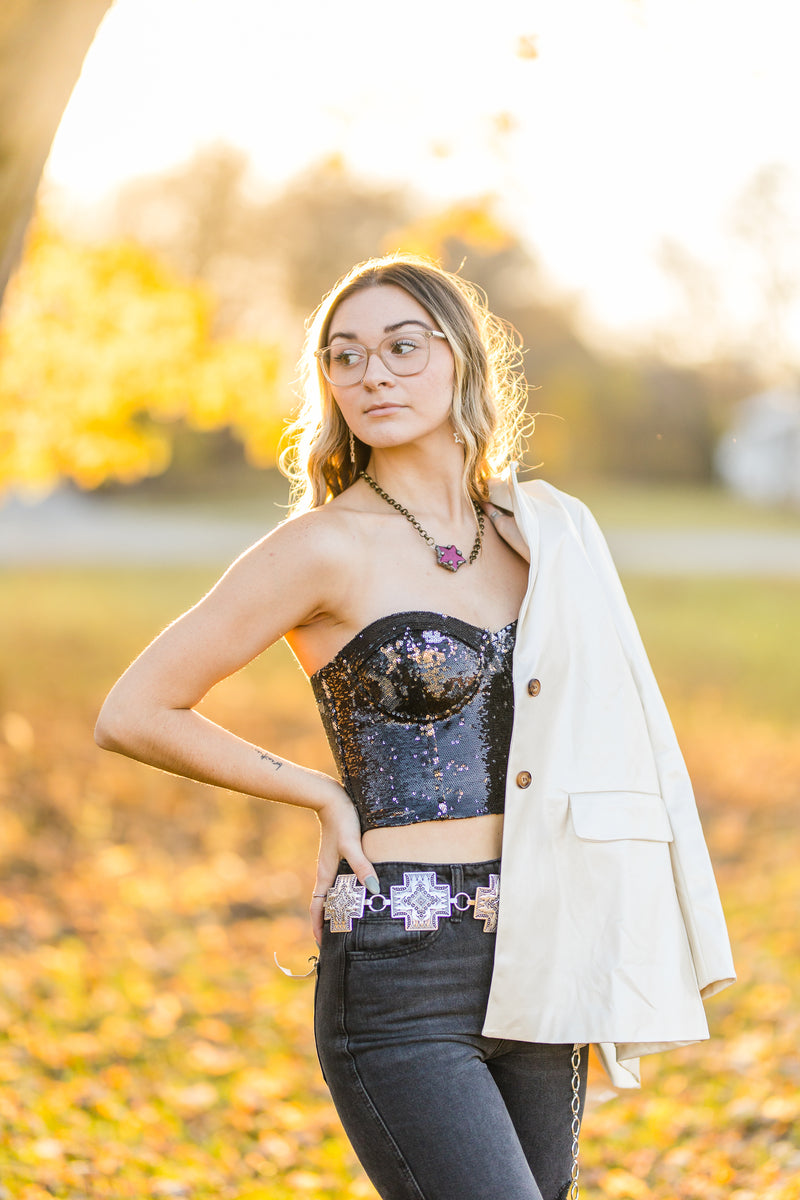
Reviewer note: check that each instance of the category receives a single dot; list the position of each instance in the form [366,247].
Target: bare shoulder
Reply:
[311,541]
[301,567]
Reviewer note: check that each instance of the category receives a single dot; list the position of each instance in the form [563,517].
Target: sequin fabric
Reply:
[418,711]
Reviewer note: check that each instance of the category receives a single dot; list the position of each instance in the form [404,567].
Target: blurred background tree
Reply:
[766,224]
[105,354]
[270,258]
[172,336]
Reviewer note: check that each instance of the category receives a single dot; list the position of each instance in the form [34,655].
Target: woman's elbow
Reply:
[104,733]
[104,738]
[114,728]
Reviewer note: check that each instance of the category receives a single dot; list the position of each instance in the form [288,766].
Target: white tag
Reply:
[312,959]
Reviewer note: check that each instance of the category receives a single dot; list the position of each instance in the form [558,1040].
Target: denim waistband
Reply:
[457,875]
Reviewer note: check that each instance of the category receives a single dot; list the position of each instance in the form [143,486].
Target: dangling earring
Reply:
[352,448]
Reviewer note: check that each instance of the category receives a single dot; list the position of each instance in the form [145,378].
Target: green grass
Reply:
[662,506]
[734,638]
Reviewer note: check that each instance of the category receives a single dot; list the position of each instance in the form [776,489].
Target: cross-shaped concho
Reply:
[344,901]
[420,900]
[487,904]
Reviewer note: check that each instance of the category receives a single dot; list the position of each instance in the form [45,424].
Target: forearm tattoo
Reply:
[277,764]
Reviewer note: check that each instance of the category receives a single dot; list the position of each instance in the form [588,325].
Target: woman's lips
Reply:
[379,410]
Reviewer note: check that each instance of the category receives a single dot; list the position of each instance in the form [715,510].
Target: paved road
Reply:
[77,530]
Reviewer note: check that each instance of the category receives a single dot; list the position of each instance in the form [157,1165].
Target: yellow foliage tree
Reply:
[101,350]
[470,223]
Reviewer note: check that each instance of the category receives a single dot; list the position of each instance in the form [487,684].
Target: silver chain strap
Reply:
[575,1109]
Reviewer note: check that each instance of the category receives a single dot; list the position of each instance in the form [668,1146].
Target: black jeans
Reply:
[434,1110]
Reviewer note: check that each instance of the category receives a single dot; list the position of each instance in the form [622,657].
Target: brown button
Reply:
[524,779]
[534,687]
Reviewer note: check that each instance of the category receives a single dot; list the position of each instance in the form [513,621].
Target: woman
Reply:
[485,695]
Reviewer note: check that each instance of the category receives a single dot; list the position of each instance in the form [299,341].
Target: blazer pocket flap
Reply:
[612,816]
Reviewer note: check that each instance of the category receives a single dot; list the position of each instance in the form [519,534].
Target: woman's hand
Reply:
[340,838]
[506,526]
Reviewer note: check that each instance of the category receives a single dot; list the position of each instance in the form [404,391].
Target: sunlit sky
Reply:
[638,119]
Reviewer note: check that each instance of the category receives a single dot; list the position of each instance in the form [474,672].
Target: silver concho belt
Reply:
[419,900]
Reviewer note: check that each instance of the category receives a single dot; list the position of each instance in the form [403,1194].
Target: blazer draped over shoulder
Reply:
[611,929]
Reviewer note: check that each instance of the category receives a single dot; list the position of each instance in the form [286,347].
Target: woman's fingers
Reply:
[340,840]
[507,529]
[360,866]
[317,911]
[366,875]
[364,869]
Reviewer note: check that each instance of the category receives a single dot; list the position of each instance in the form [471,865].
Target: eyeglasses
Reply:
[345,363]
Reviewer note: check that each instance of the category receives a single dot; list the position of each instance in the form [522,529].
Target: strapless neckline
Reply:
[372,633]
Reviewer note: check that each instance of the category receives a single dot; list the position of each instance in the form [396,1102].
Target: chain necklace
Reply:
[446,556]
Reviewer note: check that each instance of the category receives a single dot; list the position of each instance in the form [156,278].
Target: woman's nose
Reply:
[377,372]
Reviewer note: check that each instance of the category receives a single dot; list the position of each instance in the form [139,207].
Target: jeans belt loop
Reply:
[419,900]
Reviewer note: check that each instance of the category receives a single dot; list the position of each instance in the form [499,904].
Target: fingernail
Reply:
[372,885]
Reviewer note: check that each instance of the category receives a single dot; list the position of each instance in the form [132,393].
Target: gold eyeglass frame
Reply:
[319,355]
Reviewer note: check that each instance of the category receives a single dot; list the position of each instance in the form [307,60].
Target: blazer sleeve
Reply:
[694,877]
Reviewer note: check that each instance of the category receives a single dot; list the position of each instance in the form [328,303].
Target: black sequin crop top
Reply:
[418,710]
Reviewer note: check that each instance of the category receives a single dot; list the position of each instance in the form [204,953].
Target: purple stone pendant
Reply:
[449,557]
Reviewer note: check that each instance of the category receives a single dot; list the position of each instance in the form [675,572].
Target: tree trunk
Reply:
[42,47]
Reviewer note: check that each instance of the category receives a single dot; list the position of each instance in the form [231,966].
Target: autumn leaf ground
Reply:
[149,1047]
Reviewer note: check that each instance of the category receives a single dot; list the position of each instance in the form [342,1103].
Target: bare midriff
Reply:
[472,839]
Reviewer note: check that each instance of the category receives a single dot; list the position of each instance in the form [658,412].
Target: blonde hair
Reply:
[489,388]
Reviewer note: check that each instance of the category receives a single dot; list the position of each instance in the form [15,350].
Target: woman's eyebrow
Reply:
[352,337]
[399,324]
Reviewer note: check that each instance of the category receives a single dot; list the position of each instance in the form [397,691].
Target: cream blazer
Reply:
[611,928]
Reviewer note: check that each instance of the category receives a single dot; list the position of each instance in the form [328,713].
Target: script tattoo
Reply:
[268,758]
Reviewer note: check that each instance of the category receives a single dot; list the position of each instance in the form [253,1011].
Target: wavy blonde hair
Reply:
[489,388]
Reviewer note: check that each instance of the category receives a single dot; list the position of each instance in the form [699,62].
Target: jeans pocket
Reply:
[386,937]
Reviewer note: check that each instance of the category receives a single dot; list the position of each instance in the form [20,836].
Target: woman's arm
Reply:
[280,583]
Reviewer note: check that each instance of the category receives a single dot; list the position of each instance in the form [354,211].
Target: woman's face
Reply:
[384,409]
